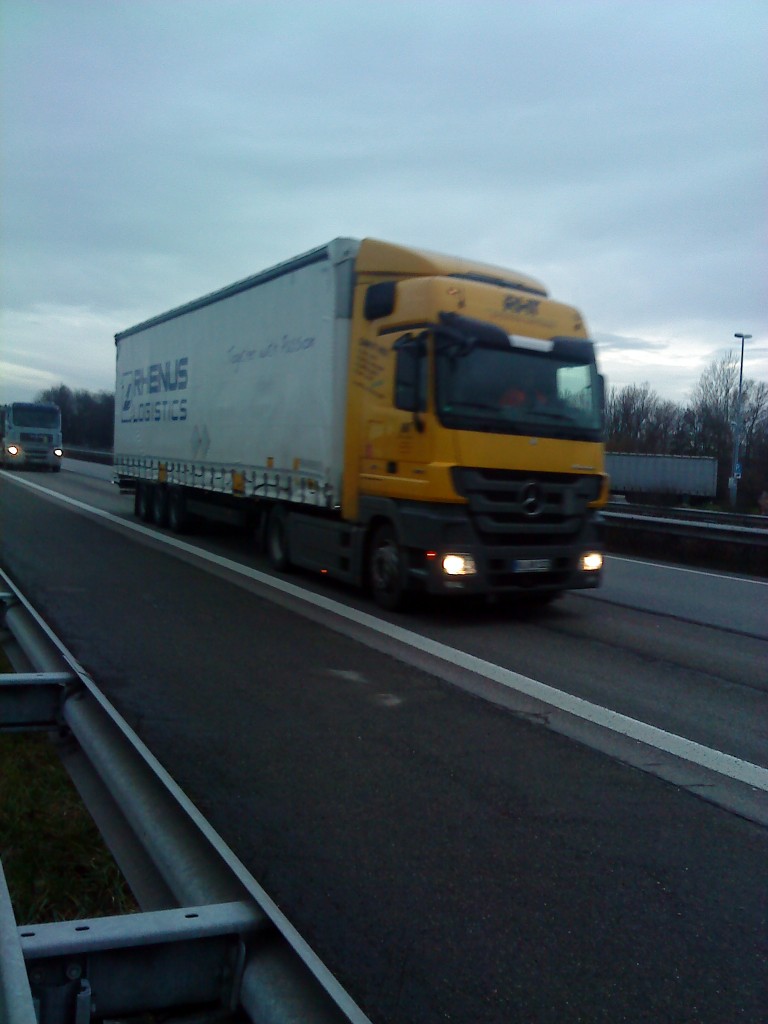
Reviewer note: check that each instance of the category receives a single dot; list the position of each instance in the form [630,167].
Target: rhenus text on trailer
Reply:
[394,418]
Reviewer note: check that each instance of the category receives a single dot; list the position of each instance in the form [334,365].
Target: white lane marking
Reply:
[693,572]
[350,675]
[706,757]
[388,700]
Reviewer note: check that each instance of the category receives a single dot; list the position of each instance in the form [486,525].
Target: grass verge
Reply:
[56,864]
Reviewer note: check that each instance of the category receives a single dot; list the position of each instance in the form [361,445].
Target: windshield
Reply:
[36,416]
[544,390]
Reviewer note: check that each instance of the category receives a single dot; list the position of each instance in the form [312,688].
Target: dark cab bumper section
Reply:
[523,532]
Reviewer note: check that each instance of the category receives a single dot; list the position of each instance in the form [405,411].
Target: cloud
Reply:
[608,149]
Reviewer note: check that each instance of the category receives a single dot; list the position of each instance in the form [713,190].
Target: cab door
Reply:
[399,441]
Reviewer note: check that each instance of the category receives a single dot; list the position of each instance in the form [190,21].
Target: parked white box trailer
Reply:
[636,475]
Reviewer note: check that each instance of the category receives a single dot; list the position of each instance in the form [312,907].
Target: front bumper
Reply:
[548,565]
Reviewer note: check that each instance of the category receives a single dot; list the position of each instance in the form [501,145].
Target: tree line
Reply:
[87,417]
[637,420]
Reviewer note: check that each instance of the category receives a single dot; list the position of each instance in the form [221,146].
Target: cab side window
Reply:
[411,376]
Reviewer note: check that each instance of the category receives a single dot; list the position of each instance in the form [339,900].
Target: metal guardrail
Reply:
[722,527]
[208,935]
[104,456]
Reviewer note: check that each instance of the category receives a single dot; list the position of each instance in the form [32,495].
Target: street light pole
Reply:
[735,469]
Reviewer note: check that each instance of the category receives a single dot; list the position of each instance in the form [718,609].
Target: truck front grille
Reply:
[29,438]
[511,508]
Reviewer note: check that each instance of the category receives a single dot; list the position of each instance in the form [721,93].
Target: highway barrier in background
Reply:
[723,540]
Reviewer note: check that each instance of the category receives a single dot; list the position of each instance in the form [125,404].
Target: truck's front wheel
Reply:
[387,569]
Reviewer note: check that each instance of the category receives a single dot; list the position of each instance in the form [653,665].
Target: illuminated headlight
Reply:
[591,561]
[58,452]
[13,449]
[459,565]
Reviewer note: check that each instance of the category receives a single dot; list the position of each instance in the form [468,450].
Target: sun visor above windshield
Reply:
[534,344]
[480,332]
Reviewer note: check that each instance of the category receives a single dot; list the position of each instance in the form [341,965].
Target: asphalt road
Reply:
[449,859]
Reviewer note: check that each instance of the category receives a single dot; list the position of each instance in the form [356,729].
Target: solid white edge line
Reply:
[678,746]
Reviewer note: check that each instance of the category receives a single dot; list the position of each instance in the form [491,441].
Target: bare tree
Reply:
[637,420]
[87,417]
[713,409]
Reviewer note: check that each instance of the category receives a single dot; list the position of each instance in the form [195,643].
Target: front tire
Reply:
[387,569]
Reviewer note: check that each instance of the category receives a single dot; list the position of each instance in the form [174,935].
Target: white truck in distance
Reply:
[30,435]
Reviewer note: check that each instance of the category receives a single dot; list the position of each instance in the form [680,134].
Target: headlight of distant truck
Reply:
[13,449]
[58,452]
[591,561]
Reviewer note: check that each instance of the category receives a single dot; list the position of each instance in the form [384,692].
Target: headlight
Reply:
[13,449]
[58,452]
[591,561]
[459,565]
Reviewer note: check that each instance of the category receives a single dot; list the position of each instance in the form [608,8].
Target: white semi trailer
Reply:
[644,477]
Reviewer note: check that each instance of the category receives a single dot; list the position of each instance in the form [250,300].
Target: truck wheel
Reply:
[178,519]
[277,540]
[160,505]
[143,502]
[387,569]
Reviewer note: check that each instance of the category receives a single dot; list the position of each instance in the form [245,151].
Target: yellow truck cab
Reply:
[475,422]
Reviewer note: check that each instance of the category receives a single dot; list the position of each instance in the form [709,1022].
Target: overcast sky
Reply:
[154,150]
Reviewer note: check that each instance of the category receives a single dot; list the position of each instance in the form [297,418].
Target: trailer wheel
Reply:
[277,540]
[387,569]
[160,505]
[178,518]
[143,502]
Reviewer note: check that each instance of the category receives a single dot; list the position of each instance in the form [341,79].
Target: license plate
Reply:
[532,565]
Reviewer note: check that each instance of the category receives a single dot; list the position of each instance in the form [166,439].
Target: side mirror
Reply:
[410,375]
[601,397]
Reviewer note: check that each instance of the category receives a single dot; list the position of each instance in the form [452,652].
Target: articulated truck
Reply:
[30,435]
[393,418]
